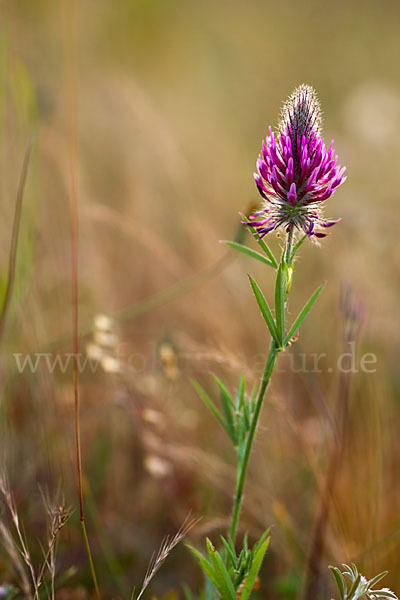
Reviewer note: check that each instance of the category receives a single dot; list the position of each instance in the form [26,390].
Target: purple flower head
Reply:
[296,173]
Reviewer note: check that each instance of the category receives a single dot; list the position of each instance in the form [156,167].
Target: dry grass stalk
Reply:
[167,545]
[58,517]
[22,547]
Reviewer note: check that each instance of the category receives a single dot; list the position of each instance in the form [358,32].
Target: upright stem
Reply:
[244,460]
[244,457]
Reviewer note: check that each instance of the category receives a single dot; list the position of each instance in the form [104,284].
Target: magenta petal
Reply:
[330,223]
[292,194]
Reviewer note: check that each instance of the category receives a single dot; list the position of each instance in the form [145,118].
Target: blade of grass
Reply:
[69,21]
[12,257]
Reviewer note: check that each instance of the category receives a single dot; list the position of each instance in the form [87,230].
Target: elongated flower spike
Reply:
[296,173]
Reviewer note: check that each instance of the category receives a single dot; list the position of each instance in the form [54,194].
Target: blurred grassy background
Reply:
[172,100]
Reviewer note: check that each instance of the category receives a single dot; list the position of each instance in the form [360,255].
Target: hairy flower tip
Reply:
[296,173]
[302,112]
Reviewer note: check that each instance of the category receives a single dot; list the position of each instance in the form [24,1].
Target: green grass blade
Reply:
[249,252]
[303,314]
[5,301]
[266,312]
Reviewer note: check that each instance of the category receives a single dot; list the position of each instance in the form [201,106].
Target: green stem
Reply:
[288,249]
[244,460]
[91,563]
[244,457]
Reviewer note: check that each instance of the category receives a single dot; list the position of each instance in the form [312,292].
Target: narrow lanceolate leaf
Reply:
[223,581]
[339,581]
[230,550]
[303,314]
[261,243]
[349,571]
[372,582]
[280,296]
[246,413]
[205,565]
[254,570]
[267,251]
[262,539]
[246,543]
[224,392]
[266,312]
[229,409]
[297,246]
[207,400]
[250,252]
[241,391]
[354,588]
